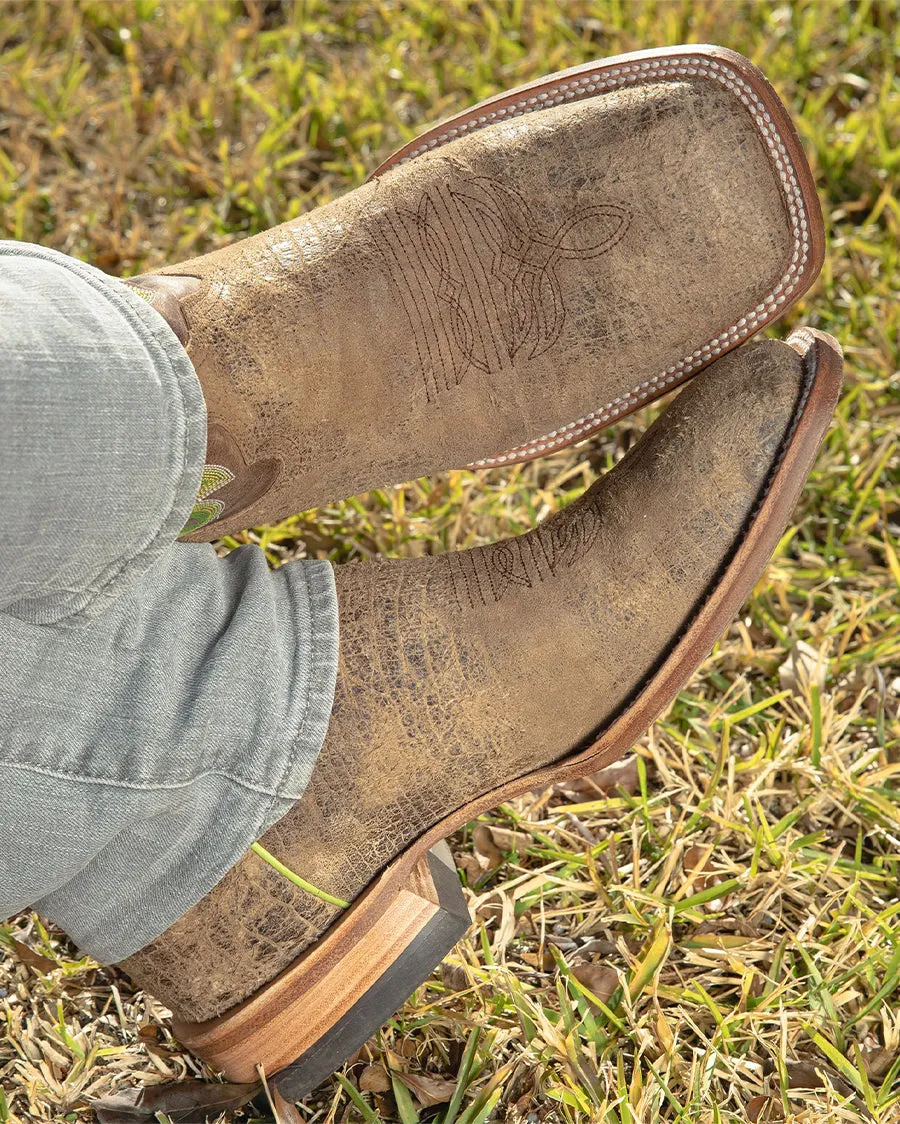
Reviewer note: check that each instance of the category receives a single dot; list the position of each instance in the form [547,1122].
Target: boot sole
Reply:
[750,86]
[307,1021]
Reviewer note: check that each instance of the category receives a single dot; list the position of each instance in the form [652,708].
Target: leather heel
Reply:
[309,1020]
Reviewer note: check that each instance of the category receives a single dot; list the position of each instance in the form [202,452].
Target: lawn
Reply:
[710,934]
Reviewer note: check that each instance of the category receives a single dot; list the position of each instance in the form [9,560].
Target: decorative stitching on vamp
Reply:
[588,85]
[205,510]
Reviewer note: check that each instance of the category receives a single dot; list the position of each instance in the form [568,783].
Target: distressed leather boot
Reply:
[505,285]
[470,678]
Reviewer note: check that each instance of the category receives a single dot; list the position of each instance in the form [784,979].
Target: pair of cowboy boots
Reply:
[505,285]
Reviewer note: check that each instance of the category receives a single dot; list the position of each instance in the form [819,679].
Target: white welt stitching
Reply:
[586,85]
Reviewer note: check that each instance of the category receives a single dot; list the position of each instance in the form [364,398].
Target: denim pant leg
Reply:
[160,707]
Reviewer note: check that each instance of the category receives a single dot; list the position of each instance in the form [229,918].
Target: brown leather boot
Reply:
[470,678]
[506,284]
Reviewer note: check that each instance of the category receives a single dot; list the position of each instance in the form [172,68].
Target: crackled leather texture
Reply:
[485,293]
[460,672]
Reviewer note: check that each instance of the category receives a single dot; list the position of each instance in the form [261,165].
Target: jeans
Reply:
[160,707]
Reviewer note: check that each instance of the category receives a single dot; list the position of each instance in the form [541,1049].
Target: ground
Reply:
[711,935]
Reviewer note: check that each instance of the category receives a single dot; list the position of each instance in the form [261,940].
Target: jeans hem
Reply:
[138,919]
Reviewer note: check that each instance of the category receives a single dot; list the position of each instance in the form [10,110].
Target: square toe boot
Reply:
[505,285]
[470,678]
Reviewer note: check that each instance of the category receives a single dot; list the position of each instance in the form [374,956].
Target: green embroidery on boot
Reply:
[257,849]
[202,514]
[214,476]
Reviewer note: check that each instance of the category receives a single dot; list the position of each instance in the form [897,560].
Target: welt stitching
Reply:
[587,85]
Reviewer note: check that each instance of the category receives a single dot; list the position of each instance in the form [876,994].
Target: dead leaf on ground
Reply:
[184,1102]
[729,926]
[878,1062]
[402,1048]
[803,667]
[584,946]
[373,1079]
[427,1090]
[487,852]
[756,1110]
[385,1105]
[525,926]
[508,840]
[522,1110]
[811,1075]
[285,1113]
[541,959]
[470,866]
[621,774]
[599,979]
[454,976]
[696,861]
[489,912]
[31,958]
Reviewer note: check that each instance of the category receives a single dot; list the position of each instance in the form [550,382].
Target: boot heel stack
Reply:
[309,1020]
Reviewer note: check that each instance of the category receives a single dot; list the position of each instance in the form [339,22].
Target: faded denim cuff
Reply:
[103,436]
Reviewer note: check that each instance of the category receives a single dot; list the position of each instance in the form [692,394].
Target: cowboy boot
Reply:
[471,678]
[505,285]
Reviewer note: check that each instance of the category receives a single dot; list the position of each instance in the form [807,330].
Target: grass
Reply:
[717,938]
